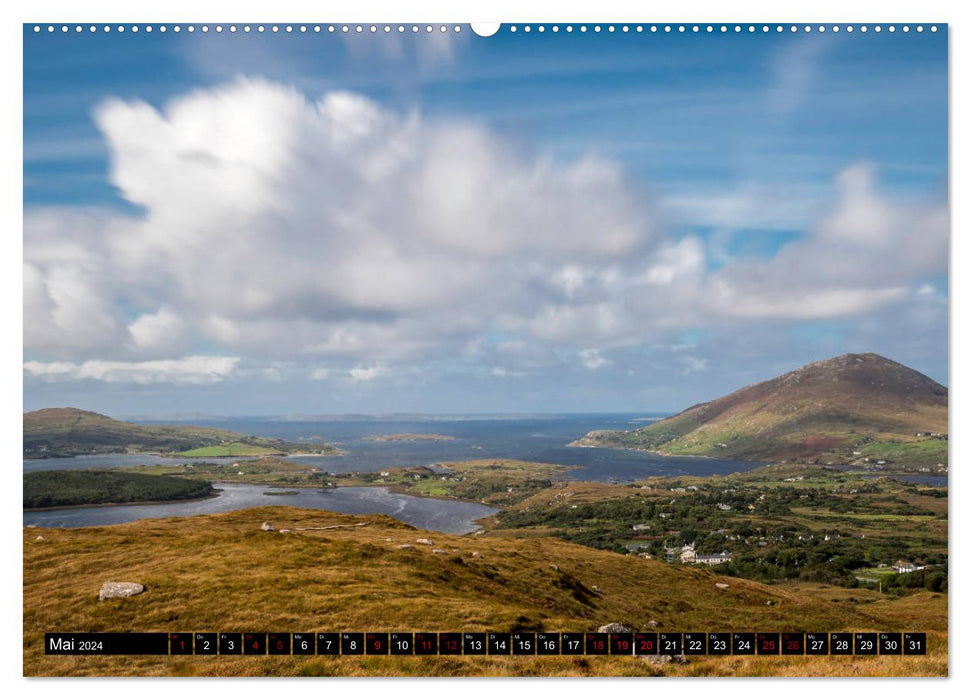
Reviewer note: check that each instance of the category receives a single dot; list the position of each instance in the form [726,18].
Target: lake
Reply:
[454,517]
[532,438]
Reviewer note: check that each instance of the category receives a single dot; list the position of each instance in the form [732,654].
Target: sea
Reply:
[532,438]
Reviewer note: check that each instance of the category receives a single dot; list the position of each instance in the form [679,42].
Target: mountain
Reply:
[852,409]
[63,432]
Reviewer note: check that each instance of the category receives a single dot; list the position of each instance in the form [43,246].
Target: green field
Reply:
[232,449]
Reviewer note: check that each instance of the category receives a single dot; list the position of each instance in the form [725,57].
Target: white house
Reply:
[688,554]
[713,559]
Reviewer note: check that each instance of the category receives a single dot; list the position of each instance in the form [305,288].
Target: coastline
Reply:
[336,452]
[212,494]
[660,453]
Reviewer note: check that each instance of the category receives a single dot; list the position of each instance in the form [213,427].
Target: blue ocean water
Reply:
[531,438]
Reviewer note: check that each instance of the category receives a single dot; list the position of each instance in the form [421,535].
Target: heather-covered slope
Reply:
[63,432]
[848,409]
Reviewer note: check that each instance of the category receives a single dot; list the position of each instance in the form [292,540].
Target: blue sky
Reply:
[325,223]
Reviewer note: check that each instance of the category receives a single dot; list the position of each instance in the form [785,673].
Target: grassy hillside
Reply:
[64,432]
[72,487]
[852,409]
[223,573]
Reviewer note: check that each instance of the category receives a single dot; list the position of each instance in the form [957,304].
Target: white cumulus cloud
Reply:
[366,374]
[329,230]
[195,369]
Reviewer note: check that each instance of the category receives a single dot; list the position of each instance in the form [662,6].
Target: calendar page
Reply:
[523,349]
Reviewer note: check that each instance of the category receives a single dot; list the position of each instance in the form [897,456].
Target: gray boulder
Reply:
[662,659]
[120,589]
[266,526]
[615,627]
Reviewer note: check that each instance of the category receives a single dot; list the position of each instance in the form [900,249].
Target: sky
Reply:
[321,223]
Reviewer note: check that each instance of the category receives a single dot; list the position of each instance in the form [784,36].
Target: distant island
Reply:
[408,437]
[68,432]
[855,409]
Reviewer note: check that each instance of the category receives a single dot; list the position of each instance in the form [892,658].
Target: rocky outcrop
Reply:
[120,589]
[615,627]
[662,659]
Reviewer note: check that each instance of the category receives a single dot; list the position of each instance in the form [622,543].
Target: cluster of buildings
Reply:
[688,555]
[905,567]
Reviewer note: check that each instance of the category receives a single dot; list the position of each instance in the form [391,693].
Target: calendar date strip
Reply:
[486,643]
